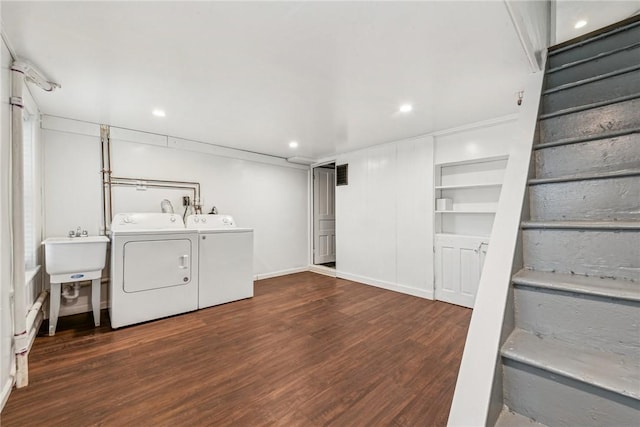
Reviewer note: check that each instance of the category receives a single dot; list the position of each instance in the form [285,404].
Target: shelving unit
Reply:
[474,187]
[476,211]
[463,233]
[454,187]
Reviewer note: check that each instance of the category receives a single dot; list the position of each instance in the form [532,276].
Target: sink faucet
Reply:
[79,232]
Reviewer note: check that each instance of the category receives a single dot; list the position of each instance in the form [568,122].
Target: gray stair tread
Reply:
[576,140]
[589,106]
[583,225]
[604,370]
[585,176]
[592,58]
[508,418]
[590,80]
[606,287]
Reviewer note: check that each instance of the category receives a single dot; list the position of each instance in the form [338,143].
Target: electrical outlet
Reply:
[186,201]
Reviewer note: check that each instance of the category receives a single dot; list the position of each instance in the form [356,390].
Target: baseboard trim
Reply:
[422,293]
[6,391]
[263,276]
[321,269]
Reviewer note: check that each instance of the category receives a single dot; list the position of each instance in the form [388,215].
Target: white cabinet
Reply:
[463,229]
[458,266]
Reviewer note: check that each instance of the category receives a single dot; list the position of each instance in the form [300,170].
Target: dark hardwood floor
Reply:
[307,350]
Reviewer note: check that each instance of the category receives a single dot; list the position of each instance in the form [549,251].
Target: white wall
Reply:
[6,317]
[488,139]
[270,198]
[532,22]
[384,217]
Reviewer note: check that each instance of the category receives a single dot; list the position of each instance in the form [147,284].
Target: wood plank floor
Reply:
[307,350]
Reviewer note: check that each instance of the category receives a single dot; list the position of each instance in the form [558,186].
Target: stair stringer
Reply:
[478,396]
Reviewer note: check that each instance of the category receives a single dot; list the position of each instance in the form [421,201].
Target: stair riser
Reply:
[593,122]
[595,200]
[596,67]
[596,47]
[597,91]
[557,401]
[622,152]
[584,321]
[591,253]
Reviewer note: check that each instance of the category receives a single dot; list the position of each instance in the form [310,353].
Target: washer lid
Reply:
[146,221]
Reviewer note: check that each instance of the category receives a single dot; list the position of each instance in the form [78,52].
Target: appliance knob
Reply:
[195,219]
[204,219]
[172,219]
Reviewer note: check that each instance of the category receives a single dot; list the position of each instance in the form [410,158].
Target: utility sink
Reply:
[75,258]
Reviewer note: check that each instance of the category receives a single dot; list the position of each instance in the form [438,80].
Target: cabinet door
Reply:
[459,261]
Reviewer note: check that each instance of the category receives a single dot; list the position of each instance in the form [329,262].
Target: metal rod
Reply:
[109,181]
[133,184]
[159,183]
[105,161]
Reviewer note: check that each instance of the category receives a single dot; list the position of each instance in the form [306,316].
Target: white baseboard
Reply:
[321,269]
[262,276]
[6,390]
[422,293]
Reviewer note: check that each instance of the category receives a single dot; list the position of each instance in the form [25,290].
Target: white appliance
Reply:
[154,268]
[225,259]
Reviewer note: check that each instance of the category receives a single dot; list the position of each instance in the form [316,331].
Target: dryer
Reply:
[225,259]
[154,268]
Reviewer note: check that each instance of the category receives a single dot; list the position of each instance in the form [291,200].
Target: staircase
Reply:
[573,358]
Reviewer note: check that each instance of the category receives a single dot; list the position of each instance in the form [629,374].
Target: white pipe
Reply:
[22,358]
[33,75]
[75,286]
[17,206]
[21,72]
[35,308]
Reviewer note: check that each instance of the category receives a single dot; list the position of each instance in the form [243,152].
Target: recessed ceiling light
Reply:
[580,24]
[159,113]
[293,144]
[405,108]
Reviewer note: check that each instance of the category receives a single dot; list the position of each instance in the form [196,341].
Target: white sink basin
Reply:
[71,255]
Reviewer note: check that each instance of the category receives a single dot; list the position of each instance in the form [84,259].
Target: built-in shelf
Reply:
[477,211]
[472,188]
[463,186]
[464,236]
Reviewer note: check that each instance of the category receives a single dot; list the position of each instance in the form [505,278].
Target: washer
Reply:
[154,268]
[225,259]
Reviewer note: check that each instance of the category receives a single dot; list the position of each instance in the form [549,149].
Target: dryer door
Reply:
[153,264]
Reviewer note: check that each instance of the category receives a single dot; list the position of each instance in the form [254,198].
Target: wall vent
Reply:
[342,174]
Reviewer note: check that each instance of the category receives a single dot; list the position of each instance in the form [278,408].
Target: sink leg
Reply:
[54,307]
[95,300]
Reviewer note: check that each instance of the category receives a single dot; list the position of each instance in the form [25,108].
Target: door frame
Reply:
[313,267]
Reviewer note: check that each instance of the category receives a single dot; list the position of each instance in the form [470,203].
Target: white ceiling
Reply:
[597,14]
[256,75]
